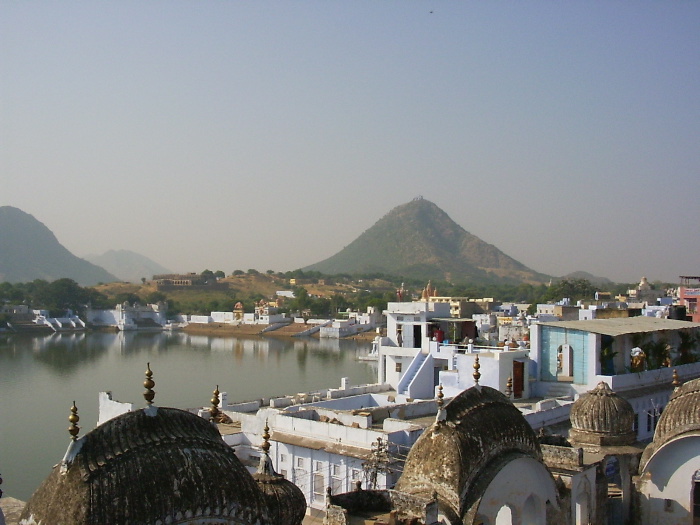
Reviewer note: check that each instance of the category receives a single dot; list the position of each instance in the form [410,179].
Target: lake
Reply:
[41,376]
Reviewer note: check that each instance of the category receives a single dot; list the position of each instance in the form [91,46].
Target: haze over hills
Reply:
[127,265]
[419,240]
[29,251]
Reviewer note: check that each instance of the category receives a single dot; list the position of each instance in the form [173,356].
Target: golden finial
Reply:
[149,394]
[266,439]
[73,429]
[676,380]
[440,397]
[509,387]
[476,375]
[214,411]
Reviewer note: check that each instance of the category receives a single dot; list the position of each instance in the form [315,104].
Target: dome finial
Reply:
[149,394]
[441,412]
[214,410]
[73,429]
[266,439]
[676,380]
[509,387]
[476,375]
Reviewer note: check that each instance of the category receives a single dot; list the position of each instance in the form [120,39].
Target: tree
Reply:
[208,275]
[238,272]
[219,274]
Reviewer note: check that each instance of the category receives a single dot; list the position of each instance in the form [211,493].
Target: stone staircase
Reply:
[559,389]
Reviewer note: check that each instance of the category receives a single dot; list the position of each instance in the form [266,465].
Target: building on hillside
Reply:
[172,280]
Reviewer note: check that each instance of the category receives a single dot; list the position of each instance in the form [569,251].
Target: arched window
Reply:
[583,516]
[532,512]
[696,497]
[504,516]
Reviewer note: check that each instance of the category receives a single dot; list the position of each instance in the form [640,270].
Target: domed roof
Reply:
[600,417]
[480,427]
[156,465]
[680,416]
[286,501]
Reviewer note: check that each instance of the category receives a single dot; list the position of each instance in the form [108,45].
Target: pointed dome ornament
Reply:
[676,380]
[287,502]
[509,387]
[73,429]
[149,394]
[476,375]
[214,410]
[441,413]
[266,439]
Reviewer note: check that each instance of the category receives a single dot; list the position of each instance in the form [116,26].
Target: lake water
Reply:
[41,376]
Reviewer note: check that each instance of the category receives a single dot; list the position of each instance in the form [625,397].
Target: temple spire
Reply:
[476,375]
[676,380]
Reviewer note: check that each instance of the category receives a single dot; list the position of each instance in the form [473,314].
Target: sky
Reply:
[231,134]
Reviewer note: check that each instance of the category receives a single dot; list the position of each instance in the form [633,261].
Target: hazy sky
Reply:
[238,134]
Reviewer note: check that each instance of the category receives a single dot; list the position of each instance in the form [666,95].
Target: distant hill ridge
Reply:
[29,251]
[419,240]
[127,265]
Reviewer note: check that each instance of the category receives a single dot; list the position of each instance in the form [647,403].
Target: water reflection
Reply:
[41,375]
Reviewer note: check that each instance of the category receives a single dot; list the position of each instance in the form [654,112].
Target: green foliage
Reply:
[575,289]
[687,349]
[56,297]
[238,272]
[127,297]
[657,353]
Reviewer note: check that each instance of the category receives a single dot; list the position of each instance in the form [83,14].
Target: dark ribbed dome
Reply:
[602,418]
[481,425]
[681,415]
[682,412]
[157,465]
[285,500]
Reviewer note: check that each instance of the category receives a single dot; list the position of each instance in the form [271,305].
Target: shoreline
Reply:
[222,329]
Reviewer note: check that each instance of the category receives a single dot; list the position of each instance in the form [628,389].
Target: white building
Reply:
[130,317]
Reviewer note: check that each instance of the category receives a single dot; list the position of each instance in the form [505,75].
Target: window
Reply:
[319,487]
[284,473]
[336,470]
[336,485]
[319,466]
[356,474]
[398,367]
[635,424]
[283,458]
[300,462]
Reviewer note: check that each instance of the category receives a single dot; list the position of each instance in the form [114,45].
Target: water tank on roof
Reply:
[677,311]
